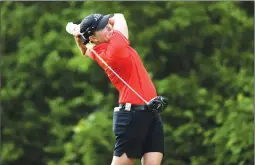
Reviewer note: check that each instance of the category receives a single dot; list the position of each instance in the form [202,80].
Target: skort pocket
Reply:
[121,122]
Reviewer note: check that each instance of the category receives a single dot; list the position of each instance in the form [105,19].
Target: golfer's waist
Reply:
[133,107]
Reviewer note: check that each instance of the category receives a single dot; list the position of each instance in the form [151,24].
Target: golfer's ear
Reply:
[120,24]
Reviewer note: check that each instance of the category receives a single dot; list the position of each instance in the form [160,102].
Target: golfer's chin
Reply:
[109,36]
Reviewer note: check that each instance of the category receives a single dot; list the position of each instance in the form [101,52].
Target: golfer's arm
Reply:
[120,24]
[81,46]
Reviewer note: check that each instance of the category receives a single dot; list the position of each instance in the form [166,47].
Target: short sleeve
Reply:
[117,43]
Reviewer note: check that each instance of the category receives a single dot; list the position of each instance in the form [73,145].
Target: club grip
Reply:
[83,39]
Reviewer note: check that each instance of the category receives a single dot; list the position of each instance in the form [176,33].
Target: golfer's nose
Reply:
[108,27]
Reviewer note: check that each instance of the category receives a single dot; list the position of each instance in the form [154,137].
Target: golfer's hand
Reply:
[73,29]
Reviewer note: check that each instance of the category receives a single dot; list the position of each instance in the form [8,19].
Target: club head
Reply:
[158,104]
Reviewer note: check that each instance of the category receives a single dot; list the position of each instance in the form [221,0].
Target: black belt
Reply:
[133,107]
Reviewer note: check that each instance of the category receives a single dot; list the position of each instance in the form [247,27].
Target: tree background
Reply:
[56,105]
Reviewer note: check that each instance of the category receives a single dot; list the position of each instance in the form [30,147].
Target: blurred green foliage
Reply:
[57,105]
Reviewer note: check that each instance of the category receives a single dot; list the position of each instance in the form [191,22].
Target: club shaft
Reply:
[118,75]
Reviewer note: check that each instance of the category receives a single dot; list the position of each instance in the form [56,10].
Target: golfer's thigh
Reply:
[130,133]
[122,160]
[155,137]
[152,158]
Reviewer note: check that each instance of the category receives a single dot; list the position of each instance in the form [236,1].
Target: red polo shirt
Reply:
[125,61]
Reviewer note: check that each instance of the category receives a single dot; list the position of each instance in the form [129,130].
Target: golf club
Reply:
[157,104]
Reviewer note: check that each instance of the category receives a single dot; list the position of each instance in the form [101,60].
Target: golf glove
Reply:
[72,28]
